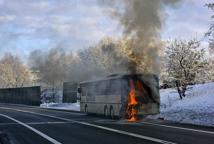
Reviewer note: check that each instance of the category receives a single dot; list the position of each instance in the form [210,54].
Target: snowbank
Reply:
[196,108]
[62,106]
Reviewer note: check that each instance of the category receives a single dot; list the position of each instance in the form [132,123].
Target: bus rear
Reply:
[142,96]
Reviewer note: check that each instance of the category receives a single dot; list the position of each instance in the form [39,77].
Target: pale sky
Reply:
[27,25]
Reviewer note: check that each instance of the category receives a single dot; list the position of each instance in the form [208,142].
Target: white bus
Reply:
[111,96]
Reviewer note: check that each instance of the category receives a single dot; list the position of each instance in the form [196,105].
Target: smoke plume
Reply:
[142,21]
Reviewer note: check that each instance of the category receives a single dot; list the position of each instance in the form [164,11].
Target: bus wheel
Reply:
[106,112]
[86,109]
[112,112]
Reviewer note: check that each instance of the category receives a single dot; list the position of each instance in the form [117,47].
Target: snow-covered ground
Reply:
[196,108]
[63,106]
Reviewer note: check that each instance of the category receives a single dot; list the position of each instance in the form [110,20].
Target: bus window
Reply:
[101,88]
[83,91]
[114,87]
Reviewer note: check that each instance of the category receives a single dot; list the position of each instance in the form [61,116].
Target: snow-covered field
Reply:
[196,108]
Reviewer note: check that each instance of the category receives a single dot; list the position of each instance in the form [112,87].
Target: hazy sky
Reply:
[26,25]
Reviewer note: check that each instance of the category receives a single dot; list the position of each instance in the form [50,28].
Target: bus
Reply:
[122,96]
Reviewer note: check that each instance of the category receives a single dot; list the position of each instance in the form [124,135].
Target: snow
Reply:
[62,106]
[196,108]
[51,95]
[52,99]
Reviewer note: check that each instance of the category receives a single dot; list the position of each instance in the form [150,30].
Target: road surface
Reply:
[33,125]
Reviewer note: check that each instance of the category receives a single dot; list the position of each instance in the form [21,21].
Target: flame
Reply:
[132,102]
[132,94]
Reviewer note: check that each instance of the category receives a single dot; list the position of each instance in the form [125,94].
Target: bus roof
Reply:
[118,76]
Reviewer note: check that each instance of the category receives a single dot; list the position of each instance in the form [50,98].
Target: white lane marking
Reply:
[44,123]
[128,133]
[47,109]
[33,129]
[100,127]
[35,123]
[181,128]
[59,110]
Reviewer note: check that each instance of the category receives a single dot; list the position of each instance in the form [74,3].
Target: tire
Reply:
[112,113]
[106,112]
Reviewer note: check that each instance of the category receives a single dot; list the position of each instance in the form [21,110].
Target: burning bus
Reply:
[124,96]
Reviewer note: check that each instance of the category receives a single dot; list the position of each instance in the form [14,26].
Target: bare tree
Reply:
[52,66]
[185,59]
[209,71]
[102,59]
[108,56]
[210,33]
[13,72]
[118,56]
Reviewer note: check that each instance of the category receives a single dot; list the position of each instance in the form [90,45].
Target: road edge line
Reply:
[181,128]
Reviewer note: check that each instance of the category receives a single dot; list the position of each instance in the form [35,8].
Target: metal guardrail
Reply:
[25,95]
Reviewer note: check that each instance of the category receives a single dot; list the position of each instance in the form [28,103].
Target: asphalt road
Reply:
[32,125]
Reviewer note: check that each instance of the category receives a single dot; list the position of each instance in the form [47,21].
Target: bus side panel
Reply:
[124,96]
[83,95]
[97,96]
[98,108]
